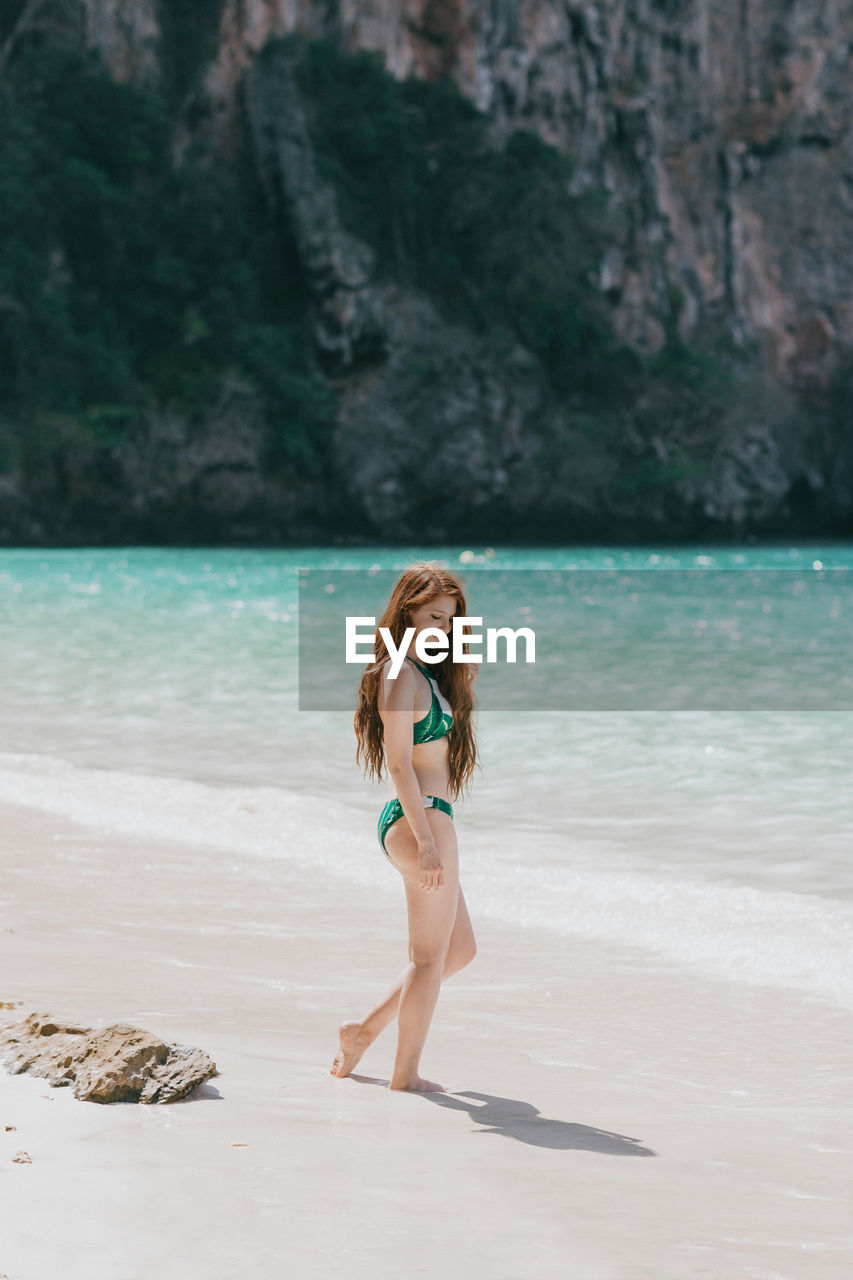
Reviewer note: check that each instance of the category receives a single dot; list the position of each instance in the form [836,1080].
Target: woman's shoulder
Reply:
[402,682]
[405,668]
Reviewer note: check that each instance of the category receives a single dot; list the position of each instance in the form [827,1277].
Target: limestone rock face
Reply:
[167,480]
[349,321]
[721,128]
[119,1063]
[434,421]
[722,131]
[399,472]
[128,34]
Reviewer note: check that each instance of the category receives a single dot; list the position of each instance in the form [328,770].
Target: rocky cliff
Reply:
[720,132]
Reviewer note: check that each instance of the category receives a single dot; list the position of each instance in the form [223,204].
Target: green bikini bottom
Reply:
[393,812]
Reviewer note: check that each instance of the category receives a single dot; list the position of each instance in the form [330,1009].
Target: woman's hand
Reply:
[430,865]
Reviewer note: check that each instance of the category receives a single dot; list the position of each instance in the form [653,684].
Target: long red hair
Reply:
[416,586]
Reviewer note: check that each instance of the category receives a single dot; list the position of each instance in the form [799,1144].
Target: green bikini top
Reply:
[436,723]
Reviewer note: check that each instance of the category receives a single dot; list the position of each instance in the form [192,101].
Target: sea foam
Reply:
[737,932]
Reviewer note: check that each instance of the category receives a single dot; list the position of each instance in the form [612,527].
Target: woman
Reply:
[419,725]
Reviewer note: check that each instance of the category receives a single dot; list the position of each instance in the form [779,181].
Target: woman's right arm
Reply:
[398,718]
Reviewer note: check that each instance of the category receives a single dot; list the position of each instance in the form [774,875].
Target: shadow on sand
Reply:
[513,1118]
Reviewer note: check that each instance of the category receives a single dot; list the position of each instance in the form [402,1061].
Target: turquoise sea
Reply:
[154,691]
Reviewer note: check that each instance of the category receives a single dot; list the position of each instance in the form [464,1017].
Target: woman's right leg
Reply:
[431,919]
[357,1036]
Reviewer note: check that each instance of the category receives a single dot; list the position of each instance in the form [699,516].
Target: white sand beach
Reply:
[610,1117]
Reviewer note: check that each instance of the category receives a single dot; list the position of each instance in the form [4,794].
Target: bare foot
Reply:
[353,1045]
[420,1086]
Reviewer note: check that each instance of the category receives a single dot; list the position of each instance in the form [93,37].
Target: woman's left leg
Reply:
[356,1036]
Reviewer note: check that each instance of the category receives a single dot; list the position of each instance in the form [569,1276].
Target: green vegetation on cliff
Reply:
[492,234]
[129,282]
[137,278]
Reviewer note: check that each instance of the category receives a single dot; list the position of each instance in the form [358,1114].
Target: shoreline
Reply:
[611,1116]
[751,933]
